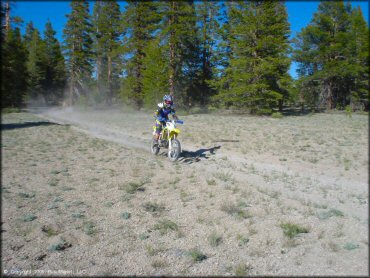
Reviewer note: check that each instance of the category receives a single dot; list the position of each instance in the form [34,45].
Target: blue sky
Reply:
[299,15]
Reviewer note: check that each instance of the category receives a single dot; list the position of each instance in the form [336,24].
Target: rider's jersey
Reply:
[163,112]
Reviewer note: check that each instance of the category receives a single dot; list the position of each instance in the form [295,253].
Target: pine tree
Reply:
[173,43]
[55,73]
[78,49]
[36,66]
[13,70]
[179,38]
[155,73]
[189,78]
[2,13]
[99,52]
[359,52]
[29,33]
[107,32]
[3,22]
[183,48]
[223,55]
[208,14]
[6,14]
[328,52]
[257,75]
[140,23]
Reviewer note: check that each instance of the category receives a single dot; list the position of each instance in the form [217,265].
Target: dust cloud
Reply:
[120,125]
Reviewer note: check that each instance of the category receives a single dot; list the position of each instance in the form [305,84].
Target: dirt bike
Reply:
[168,139]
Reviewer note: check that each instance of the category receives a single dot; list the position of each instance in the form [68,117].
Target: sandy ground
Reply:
[83,195]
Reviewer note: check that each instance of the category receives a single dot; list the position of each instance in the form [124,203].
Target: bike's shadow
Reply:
[196,156]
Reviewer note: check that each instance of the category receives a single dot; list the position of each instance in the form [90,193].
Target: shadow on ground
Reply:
[301,111]
[191,157]
[25,124]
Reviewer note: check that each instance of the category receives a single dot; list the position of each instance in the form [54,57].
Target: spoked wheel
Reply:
[175,150]
[155,147]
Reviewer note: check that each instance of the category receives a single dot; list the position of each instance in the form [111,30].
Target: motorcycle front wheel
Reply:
[175,150]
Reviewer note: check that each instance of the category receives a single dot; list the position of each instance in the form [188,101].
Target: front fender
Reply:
[174,132]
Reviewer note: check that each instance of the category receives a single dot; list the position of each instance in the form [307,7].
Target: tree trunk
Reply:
[280,105]
[109,92]
[7,16]
[139,77]
[172,50]
[70,94]
[72,81]
[204,62]
[329,97]
[98,74]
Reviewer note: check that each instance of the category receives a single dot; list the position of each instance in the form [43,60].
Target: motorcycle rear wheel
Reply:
[155,147]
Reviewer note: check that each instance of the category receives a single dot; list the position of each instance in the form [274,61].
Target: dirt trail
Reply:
[133,130]
[97,127]
[238,182]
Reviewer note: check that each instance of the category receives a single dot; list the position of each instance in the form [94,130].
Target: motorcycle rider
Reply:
[165,108]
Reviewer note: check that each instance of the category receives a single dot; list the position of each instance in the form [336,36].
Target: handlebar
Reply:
[175,121]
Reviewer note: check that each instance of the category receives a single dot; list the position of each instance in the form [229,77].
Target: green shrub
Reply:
[330,213]
[53,206]
[58,199]
[242,270]
[224,176]
[166,225]
[10,110]
[53,182]
[242,240]
[214,239]
[235,210]
[291,230]
[159,263]
[196,255]
[126,215]
[49,231]
[351,246]
[26,195]
[109,204]
[29,217]
[143,236]
[151,250]
[211,182]
[277,115]
[61,245]
[89,228]
[348,110]
[78,215]
[154,207]
[133,187]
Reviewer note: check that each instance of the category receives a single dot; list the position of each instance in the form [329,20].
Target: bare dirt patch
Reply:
[249,196]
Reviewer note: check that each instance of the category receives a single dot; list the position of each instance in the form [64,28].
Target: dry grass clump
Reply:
[196,255]
[214,239]
[165,225]
[291,229]
[154,208]
[235,210]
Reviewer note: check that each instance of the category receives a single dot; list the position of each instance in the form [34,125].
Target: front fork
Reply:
[170,140]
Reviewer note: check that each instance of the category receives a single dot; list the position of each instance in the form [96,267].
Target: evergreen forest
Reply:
[207,54]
